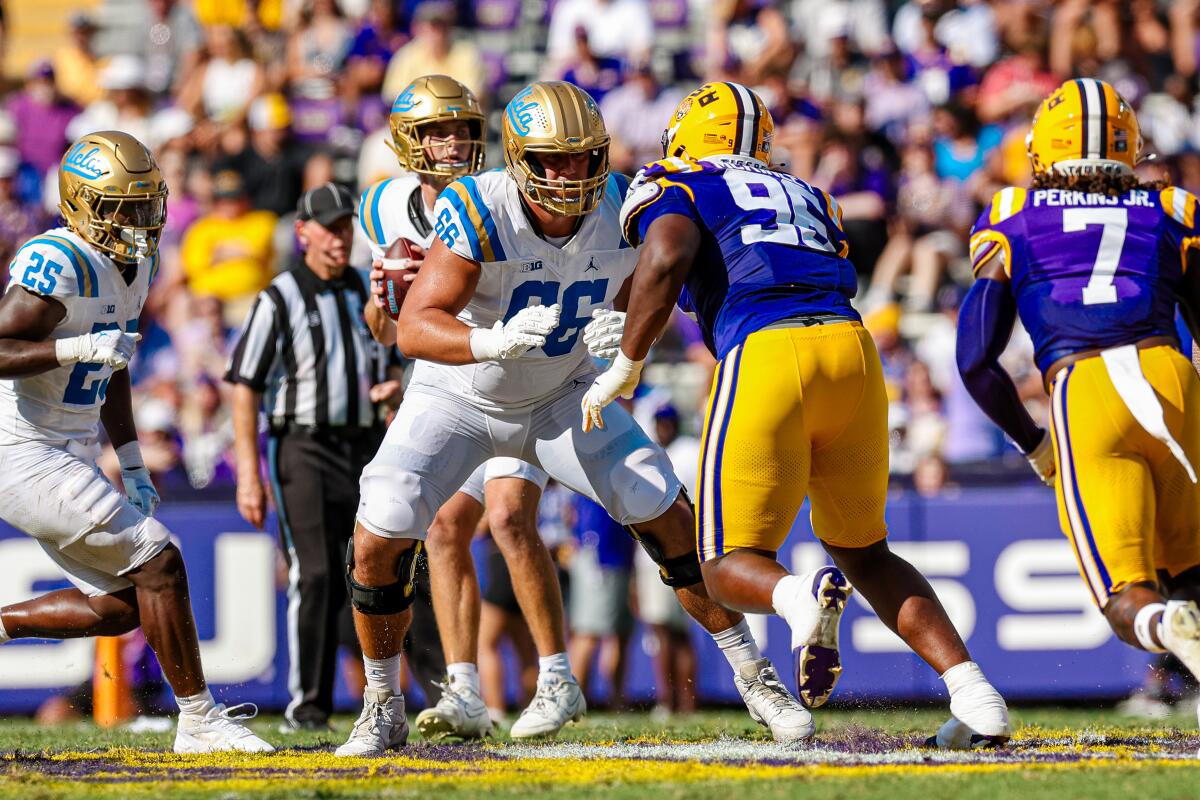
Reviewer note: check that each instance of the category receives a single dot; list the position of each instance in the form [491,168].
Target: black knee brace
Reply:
[677,572]
[383,600]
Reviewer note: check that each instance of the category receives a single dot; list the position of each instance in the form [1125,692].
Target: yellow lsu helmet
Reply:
[720,118]
[430,99]
[1085,126]
[112,194]
[556,117]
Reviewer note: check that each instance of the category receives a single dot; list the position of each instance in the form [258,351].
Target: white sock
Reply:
[792,600]
[1146,628]
[383,674]
[196,705]
[556,664]
[464,672]
[4,637]
[738,645]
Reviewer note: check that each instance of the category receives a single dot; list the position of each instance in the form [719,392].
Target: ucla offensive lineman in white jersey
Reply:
[437,134]
[68,326]
[525,260]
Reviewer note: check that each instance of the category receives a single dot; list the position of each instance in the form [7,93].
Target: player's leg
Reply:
[105,546]
[514,489]
[631,477]
[847,416]
[754,473]
[70,614]
[1176,624]
[431,448]
[460,712]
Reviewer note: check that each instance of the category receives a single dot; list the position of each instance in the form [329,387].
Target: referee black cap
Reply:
[326,204]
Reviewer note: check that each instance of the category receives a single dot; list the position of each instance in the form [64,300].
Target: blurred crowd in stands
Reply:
[912,114]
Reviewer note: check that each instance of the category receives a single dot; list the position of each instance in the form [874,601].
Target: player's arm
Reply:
[985,324]
[116,414]
[668,249]
[429,328]
[26,322]
[1189,294]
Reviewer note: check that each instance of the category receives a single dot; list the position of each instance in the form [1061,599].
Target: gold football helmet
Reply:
[1084,127]
[556,117]
[112,194]
[429,99]
[720,118]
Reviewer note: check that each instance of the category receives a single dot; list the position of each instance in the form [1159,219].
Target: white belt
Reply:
[1125,370]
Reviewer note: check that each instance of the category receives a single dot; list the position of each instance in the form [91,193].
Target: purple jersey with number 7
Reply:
[772,246]
[1089,270]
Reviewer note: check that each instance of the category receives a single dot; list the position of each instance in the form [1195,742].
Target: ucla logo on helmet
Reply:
[406,101]
[85,160]
[520,112]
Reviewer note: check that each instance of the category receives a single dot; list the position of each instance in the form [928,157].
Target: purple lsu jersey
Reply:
[772,247]
[1088,270]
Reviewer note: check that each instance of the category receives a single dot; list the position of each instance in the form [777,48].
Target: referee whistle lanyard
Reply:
[1125,370]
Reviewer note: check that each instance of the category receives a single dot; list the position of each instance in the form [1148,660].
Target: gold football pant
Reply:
[1124,502]
[794,412]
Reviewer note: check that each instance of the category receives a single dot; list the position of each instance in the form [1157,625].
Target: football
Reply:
[398,273]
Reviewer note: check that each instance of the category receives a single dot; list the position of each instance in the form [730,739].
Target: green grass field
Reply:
[1059,753]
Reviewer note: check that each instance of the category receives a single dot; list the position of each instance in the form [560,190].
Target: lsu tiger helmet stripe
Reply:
[720,118]
[430,99]
[556,117]
[1084,126]
[113,195]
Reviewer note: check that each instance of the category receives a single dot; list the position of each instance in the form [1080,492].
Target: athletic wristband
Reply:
[67,351]
[485,343]
[130,456]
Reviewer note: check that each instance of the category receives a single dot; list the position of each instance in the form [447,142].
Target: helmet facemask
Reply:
[568,197]
[414,155]
[125,226]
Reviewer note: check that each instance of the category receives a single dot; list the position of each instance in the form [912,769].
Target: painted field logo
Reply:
[84,160]
[520,112]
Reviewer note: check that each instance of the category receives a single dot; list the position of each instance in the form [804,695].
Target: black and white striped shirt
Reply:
[307,348]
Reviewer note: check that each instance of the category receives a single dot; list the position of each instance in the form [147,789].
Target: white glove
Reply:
[138,486]
[113,348]
[603,334]
[527,329]
[1042,459]
[619,380]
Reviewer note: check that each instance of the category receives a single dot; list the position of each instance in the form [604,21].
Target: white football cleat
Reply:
[558,701]
[381,726]
[220,730]
[815,640]
[771,704]
[460,713]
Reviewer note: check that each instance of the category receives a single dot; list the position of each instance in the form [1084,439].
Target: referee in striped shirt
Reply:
[306,351]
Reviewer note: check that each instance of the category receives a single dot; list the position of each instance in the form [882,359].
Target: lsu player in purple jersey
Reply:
[797,406]
[1094,262]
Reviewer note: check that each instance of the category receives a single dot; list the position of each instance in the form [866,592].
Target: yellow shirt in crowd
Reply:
[229,259]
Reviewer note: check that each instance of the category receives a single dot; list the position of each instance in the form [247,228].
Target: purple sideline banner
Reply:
[995,557]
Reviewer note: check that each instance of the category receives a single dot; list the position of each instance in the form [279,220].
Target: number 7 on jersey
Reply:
[1100,289]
